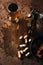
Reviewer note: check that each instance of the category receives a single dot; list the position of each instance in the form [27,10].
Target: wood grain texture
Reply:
[9,33]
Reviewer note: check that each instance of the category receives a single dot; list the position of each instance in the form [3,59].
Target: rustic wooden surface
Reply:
[10,32]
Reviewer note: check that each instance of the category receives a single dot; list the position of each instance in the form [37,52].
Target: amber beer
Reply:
[14,14]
